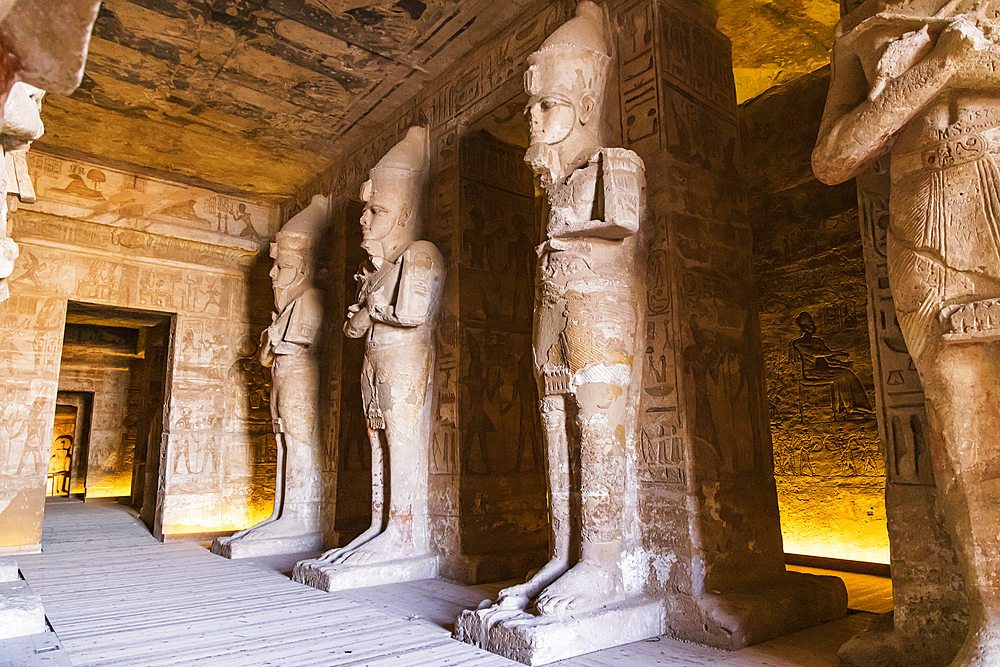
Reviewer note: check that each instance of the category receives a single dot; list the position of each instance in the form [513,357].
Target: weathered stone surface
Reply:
[21,612]
[44,47]
[8,569]
[587,321]
[334,577]
[930,616]
[399,290]
[267,546]
[895,90]
[540,639]
[735,619]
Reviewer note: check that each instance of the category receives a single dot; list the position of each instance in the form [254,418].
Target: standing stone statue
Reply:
[289,347]
[588,315]
[919,80]
[399,289]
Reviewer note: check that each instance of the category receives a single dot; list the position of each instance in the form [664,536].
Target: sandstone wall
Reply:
[808,259]
[104,236]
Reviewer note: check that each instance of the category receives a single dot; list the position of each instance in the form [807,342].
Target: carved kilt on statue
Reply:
[585,322]
[932,261]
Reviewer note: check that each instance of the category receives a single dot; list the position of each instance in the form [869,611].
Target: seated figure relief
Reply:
[822,366]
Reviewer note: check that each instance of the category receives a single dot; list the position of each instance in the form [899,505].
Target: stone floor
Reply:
[115,597]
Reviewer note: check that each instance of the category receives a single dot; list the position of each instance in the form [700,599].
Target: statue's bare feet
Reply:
[518,597]
[388,546]
[332,555]
[588,585]
[268,529]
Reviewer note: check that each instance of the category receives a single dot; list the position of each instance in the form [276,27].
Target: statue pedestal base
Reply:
[539,640]
[881,644]
[21,612]
[732,620]
[329,577]
[268,546]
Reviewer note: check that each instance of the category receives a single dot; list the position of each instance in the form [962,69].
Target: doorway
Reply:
[110,408]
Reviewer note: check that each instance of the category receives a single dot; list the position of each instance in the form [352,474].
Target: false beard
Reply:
[544,161]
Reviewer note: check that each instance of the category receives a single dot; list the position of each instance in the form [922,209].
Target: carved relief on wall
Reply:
[99,194]
[720,372]
[498,235]
[23,421]
[500,425]
[819,380]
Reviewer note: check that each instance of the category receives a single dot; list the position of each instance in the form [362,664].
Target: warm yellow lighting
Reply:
[834,519]
[109,485]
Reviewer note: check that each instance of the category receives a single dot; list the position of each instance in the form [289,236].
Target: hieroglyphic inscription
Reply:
[662,454]
[697,60]
[638,81]
[903,419]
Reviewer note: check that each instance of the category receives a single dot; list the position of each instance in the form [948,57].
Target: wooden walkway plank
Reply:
[118,598]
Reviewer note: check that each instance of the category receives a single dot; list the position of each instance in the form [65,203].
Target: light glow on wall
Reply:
[834,519]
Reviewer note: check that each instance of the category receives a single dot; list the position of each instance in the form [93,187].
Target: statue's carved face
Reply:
[386,216]
[551,117]
[561,113]
[287,275]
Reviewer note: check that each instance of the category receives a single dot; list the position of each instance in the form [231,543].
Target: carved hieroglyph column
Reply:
[696,526]
[399,289]
[929,618]
[290,346]
[918,83]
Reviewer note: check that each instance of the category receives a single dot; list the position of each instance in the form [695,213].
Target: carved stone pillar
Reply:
[930,615]
[707,498]
[701,543]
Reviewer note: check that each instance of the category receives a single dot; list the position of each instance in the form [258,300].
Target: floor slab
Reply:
[118,598]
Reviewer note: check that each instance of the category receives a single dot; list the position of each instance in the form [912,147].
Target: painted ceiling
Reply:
[251,96]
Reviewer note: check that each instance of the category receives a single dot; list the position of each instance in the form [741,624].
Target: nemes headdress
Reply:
[574,58]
